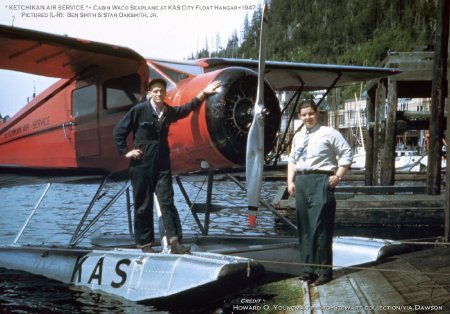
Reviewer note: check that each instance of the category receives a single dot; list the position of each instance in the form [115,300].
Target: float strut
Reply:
[32,213]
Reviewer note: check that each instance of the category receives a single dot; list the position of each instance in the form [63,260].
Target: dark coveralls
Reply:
[151,173]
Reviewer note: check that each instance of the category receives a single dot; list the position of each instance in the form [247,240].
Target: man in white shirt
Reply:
[319,158]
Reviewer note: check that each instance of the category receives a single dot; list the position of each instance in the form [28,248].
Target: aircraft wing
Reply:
[292,75]
[59,56]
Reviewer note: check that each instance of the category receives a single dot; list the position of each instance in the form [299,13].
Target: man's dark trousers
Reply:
[316,208]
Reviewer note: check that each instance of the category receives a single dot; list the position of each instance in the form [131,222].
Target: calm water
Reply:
[57,217]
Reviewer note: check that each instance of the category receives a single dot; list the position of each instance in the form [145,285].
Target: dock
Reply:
[377,206]
[417,282]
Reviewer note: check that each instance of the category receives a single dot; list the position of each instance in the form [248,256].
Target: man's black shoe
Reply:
[146,248]
[323,279]
[177,248]
[309,278]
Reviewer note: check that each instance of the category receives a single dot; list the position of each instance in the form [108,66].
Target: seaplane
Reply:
[64,135]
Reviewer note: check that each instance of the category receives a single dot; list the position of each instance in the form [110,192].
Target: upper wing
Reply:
[52,55]
[292,75]
[64,57]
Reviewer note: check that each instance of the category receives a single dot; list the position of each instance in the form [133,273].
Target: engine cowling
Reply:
[217,133]
[229,123]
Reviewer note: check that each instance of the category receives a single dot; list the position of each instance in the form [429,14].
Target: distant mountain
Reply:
[356,32]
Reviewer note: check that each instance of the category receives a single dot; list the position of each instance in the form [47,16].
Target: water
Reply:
[57,217]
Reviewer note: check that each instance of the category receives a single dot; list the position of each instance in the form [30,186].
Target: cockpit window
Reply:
[122,91]
[84,101]
[181,67]
[177,71]
[155,74]
[173,74]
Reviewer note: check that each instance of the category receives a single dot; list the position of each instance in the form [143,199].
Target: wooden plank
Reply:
[378,210]
[338,296]
[378,133]
[376,288]
[307,305]
[380,189]
[369,175]
[359,292]
[447,177]
[388,158]
[413,282]
[283,200]
[438,99]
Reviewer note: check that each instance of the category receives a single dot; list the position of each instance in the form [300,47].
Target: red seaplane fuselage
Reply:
[69,125]
[66,131]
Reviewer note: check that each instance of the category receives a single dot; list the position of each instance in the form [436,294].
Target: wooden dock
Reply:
[417,282]
[371,206]
[279,174]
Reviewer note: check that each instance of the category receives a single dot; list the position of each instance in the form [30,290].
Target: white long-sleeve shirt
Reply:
[326,150]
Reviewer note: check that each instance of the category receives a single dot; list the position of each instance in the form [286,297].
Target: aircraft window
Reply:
[84,101]
[122,91]
[174,76]
[183,68]
[155,74]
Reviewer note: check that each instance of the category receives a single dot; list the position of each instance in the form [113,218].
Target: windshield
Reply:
[178,71]
[155,74]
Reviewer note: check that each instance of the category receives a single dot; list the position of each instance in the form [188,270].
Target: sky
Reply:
[171,29]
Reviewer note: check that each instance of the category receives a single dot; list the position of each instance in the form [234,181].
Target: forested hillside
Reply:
[356,32]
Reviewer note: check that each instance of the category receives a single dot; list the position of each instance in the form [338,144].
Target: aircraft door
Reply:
[85,112]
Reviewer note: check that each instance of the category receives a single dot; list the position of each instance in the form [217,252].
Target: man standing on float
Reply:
[150,169]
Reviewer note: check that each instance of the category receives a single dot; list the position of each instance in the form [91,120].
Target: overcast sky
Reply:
[172,29]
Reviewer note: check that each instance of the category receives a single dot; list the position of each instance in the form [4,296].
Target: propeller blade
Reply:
[255,140]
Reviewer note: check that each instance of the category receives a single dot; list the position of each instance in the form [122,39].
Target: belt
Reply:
[305,172]
[143,142]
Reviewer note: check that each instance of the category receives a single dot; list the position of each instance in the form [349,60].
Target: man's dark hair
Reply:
[157,80]
[308,103]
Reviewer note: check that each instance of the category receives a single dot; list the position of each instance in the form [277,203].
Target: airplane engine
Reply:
[217,133]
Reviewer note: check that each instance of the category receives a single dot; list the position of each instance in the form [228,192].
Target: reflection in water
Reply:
[25,293]
[55,220]
[60,212]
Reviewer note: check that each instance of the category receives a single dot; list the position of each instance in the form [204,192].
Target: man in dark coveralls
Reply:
[150,169]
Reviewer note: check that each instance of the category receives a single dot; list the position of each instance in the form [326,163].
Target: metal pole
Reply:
[130,225]
[32,213]
[77,239]
[188,201]
[88,210]
[208,200]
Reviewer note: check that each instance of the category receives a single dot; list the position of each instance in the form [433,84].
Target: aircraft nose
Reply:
[229,113]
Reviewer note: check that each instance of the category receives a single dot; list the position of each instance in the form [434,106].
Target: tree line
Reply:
[349,32]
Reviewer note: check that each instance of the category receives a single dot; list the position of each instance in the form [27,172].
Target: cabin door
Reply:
[85,112]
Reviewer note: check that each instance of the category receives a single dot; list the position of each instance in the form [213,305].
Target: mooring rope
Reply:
[388,270]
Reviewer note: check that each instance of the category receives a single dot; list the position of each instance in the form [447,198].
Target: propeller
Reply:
[255,140]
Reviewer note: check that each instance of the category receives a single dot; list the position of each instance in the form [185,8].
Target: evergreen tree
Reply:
[353,32]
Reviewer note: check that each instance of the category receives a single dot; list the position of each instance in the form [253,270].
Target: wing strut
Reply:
[32,213]
[255,140]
